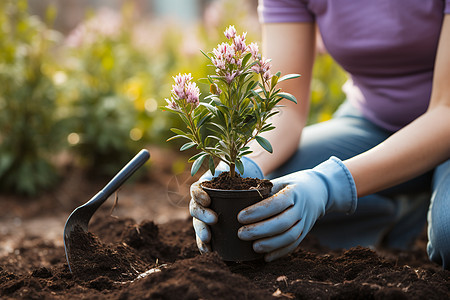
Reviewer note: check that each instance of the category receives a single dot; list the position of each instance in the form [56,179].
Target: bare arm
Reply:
[291,48]
[416,148]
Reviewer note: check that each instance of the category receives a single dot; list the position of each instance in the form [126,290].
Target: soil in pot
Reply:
[229,195]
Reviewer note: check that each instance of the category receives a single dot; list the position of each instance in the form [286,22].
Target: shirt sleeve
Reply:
[284,11]
[447,7]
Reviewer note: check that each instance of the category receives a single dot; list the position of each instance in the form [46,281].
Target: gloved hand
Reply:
[202,216]
[279,223]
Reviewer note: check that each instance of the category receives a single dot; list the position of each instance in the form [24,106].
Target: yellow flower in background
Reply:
[324,115]
[133,88]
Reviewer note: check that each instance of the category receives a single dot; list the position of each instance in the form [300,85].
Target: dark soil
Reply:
[116,270]
[225,182]
[121,258]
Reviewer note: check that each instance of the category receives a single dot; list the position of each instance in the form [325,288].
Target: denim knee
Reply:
[438,247]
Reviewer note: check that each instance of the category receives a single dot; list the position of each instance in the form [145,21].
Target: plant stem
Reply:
[232,170]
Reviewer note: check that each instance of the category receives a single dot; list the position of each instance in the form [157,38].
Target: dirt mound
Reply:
[124,260]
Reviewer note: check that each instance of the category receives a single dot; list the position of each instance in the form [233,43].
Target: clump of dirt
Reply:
[89,257]
[201,277]
[225,182]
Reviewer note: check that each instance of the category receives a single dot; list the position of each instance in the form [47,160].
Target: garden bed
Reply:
[154,255]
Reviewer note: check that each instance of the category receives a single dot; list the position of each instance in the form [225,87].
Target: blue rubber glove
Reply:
[203,216]
[279,223]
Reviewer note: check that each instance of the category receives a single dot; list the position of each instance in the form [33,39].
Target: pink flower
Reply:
[230,76]
[230,32]
[256,68]
[225,52]
[263,67]
[254,50]
[183,89]
[220,50]
[239,42]
[219,63]
[182,79]
[267,75]
[172,105]
[265,64]
[192,94]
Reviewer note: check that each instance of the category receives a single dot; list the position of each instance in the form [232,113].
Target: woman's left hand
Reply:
[279,223]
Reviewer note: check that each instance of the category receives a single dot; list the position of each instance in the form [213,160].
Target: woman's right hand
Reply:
[202,216]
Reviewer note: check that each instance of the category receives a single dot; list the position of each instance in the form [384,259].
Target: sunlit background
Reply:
[85,79]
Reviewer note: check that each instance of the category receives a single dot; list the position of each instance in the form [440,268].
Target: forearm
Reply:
[284,139]
[291,48]
[412,151]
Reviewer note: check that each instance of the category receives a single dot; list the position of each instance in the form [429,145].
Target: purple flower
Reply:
[172,105]
[265,64]
[267,75]
[256,68]
[225,52]
[262,66]
[219,63]
[239,42]
[192,93]
[183,89]
[182,79]
[254,50]
[230,32]
[230,76]
[178,90]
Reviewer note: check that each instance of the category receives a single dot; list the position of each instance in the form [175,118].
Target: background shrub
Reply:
[30,128]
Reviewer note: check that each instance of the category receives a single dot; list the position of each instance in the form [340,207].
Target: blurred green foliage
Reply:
[102,110]
[30,129]
[326,89]
[95,93]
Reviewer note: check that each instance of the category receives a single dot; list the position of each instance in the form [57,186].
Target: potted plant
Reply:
[242,99]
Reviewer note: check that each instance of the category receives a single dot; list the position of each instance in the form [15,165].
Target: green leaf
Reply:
[178,131]
[197,164]
[267,128]
[274,81]
[289,76]
[222,129]
[239,166]
[196,156]
[244,153]
[287,96]
[204,119]
[204,81]
[209,138]
[264,143]
[187,146]
[257,96]
[211,165]
[246,59]
[244,104]
[213,89]
[208,106]
[177,137]
[206,55]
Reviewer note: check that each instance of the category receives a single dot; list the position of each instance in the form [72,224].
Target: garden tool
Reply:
[82,214]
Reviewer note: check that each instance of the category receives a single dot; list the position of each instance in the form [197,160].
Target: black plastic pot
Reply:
[227,204]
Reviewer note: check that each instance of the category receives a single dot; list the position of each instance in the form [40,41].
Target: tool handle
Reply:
[126,172]
[119,179]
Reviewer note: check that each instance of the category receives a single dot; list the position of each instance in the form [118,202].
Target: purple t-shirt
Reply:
[387,46]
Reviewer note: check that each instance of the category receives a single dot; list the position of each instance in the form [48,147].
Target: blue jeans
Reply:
[393,217]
